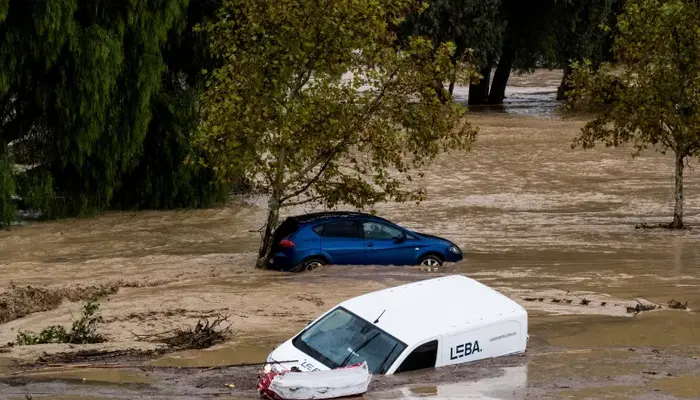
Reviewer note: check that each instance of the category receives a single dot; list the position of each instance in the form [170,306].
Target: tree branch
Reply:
[312,180]
[305,201]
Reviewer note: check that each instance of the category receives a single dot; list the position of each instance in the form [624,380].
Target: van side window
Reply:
[344,229]
[424,356]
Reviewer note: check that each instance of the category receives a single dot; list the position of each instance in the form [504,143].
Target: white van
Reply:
[431,323]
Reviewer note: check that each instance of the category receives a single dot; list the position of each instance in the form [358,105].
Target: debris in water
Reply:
[205,334]
[603,303]
[568,301]
[640,307]
[631,349]
[556,300]
[313,299]
[650,372]
[585,302]
[540,299]
[530,299]
[677,305]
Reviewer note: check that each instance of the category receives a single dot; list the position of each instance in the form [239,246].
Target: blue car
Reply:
[308,241]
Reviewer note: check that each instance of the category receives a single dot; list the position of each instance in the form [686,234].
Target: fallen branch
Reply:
[204,334]
[677,305]
[641,307]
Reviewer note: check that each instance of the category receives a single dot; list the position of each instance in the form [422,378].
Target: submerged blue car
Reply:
[305,242]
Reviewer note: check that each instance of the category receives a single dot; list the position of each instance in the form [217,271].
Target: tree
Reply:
[528,28]
[163,179]
[314,103]
[100,97]
[580,35]
[7,190]
[537,34]
[652,88]
[472,25]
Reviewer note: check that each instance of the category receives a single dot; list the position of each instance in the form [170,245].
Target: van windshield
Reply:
[341,338]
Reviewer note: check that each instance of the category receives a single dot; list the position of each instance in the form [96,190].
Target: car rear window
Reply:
[345,229]
[289,226]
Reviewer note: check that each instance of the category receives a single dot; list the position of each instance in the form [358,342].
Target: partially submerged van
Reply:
[431,323]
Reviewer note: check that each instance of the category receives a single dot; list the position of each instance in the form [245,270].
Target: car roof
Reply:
[321,216]
[426,309]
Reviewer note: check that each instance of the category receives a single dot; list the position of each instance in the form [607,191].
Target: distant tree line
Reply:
[100,100]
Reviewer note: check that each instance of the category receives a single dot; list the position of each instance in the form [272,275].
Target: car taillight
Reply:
[286,244]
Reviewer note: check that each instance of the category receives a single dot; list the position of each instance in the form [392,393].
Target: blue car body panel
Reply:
[317,236]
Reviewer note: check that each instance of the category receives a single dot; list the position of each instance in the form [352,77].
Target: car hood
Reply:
[433,237]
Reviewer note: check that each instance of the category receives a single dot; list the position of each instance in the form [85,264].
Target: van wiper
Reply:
[358,349]
[379,368]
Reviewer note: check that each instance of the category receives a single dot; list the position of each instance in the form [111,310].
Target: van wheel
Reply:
[431,261]
[310,264]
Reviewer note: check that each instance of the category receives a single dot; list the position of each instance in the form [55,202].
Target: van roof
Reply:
[426,309]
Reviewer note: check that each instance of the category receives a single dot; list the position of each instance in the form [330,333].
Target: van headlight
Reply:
[267,368]
[454,249]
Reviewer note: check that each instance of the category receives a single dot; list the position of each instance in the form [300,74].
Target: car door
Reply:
[343,242]
[387,245]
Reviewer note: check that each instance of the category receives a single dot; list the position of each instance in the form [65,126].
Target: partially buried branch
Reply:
[204,334]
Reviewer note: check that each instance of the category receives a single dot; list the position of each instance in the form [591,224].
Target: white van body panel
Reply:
[279,358]
[470,321]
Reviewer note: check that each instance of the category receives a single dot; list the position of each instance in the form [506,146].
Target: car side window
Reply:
[344,229]
[423,356]
[375,230]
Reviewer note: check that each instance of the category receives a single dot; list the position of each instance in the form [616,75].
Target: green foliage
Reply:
[313,103]
[36,188]
[76,89]
[8,212]
[163,178]
[51,334]
[473,26]
[652,89]
[83,331]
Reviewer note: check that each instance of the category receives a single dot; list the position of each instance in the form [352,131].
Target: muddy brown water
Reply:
[537,220]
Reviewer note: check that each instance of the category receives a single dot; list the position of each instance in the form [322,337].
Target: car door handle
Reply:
[370,244]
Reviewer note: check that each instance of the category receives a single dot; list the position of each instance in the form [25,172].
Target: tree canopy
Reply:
[649,94]
[314,103]
[79,85]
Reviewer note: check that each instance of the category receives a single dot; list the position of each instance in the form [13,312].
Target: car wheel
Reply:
[310,264]
[431,261]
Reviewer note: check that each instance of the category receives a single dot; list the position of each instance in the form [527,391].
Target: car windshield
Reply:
[342,338]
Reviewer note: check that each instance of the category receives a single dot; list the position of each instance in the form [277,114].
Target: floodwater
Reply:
[537,219]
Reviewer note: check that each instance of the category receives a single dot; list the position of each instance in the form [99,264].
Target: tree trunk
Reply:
[565,84]
[678,193]
[479,92]
[440,91]
[273,214]
[452,84]
[500,77]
